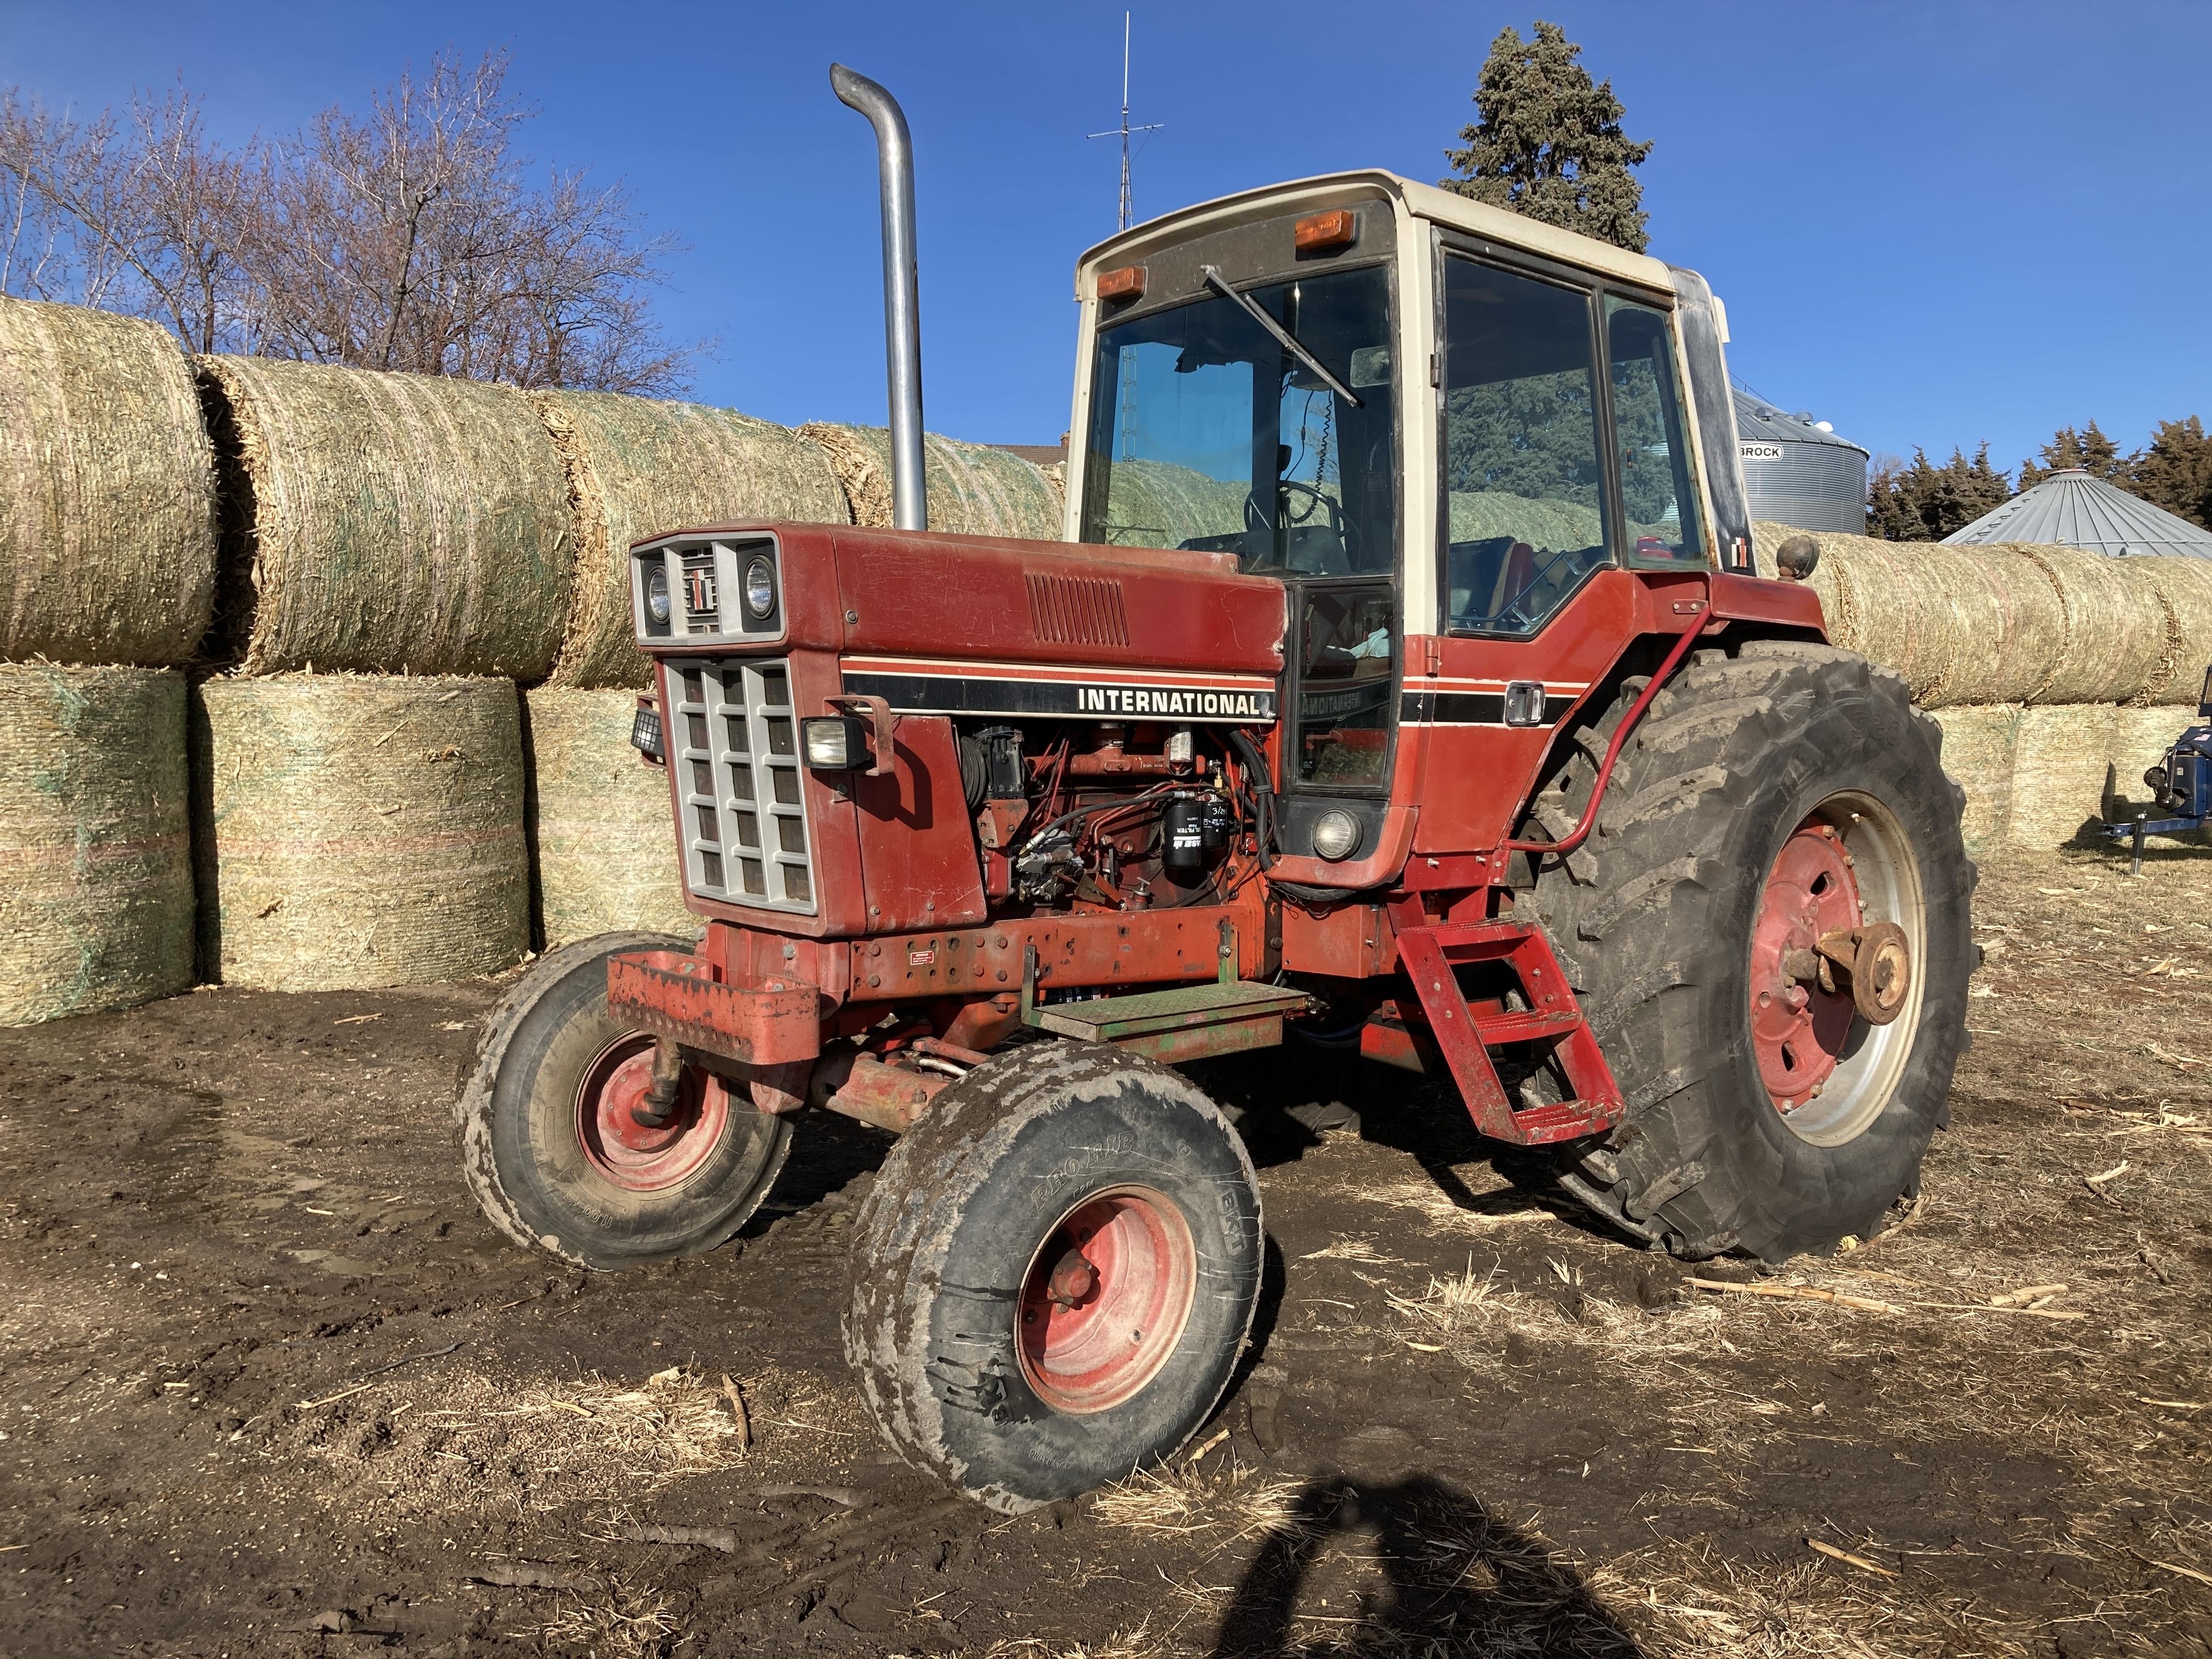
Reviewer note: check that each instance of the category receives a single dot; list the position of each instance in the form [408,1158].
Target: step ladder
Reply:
[1428,953]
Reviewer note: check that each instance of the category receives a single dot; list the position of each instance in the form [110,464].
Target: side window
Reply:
[1346,686]
[1657,491]
[1524,477]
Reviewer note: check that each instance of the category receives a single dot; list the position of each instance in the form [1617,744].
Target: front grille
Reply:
[703,609]
[734,739]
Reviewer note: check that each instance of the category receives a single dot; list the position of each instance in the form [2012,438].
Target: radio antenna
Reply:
[1125,129]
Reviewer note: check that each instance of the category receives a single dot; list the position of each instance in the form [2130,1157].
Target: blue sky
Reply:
[1932,223]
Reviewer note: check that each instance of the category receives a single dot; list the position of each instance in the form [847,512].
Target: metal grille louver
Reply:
[1077,609]
[702,602]
[733,737]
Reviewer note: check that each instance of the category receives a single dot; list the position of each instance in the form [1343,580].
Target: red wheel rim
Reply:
[1105,1299]
[1799,1030]
[625,1153]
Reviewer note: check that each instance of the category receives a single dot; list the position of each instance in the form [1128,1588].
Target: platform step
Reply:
[1188,1007]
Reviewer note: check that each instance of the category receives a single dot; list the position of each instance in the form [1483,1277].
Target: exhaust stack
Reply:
[902,293]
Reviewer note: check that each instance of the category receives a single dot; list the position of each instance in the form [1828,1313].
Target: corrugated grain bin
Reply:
[601,827]
[2059,757]
[107,535]
[353,831]
[96,856]
[973,489]
[387,523]
[1978,752]
[638,467]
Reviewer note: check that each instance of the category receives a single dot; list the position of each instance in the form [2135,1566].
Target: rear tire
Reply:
[542,1127]
[1654,919]
[1055,1153]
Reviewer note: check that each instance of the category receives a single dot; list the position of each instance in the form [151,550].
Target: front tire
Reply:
[1054,1274]
[1763,799]
[554,1157]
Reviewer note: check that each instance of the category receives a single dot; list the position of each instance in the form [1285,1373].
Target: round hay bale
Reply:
[638,467]
[2184,587]
[107,530]
[1481,514]
[2115,626]
[95,848]
[1159,504]
[2060,753]
[387,523]
[601,824]
[1979,752]
[1831,580]
[358,831]
[973,490]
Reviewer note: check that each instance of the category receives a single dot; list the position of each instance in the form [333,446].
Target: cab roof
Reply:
[1421,201]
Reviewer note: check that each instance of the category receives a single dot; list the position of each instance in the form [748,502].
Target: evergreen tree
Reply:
[2175,472]
[1549,143]
[2090,449]
[1919,501]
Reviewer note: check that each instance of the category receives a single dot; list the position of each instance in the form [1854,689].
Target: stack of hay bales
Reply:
[600,824]
[972,489]
[1159,504]
[359,830]
[107,556]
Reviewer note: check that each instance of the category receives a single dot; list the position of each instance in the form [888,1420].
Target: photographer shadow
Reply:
[1454,1580]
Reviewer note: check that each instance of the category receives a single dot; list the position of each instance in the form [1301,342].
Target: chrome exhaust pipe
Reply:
[902,290]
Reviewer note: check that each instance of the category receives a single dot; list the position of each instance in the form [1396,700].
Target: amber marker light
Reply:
[1339,227]
[1127,283]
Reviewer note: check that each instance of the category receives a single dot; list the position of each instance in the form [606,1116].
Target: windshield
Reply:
[1208,432]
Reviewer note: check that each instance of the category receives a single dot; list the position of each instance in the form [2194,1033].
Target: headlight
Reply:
[834,743]
[656,593]
[1336,835]
[760,587]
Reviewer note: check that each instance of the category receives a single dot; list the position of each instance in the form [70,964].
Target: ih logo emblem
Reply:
[699,591]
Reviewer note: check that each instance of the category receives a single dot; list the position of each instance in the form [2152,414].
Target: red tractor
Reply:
[1402,678]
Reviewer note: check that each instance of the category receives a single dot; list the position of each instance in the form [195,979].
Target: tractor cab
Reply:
[1433,421]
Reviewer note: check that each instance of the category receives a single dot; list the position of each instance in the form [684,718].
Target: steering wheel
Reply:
[1516,612]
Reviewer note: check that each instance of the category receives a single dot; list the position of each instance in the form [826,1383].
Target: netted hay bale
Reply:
[2059,756]
[358,831]
[387,523]
[2115,626]
[1978,752]
[95,852]
[973,490]
[1159,504]
[1481,514]
[601,827]
[107,537]
[2184,587]
[638,467]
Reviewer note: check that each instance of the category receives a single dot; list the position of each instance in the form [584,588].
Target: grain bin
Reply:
[387,523]
[638,467]
[1798,471]
[107,535]
[974,488]
[95,859]
[601,821]
[359,831]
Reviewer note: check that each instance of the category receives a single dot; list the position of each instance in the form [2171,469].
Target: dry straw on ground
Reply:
[107,537]
[973,489]
[601,825]
[1979,744]
[635,468]
[387,523]
[96,860]
[2059,775]
[357,831]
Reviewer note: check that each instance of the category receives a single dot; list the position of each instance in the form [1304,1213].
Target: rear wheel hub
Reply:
[1801,1014]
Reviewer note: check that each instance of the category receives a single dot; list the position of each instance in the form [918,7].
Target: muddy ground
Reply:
[271,1387]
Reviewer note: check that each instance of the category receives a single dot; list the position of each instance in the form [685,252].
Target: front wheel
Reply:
[551,1144]
[1773,808]
[1054,1274]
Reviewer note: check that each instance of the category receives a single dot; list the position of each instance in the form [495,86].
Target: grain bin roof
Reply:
[1758,420]
[2071,508]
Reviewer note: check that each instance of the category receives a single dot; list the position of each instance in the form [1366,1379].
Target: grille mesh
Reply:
[1077,609]
[734,742]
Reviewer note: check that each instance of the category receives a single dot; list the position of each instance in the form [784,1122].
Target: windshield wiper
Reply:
[1219,284]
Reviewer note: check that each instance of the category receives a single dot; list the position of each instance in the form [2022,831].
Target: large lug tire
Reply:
[550,1151]
[1778,788]
[1058,1171]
